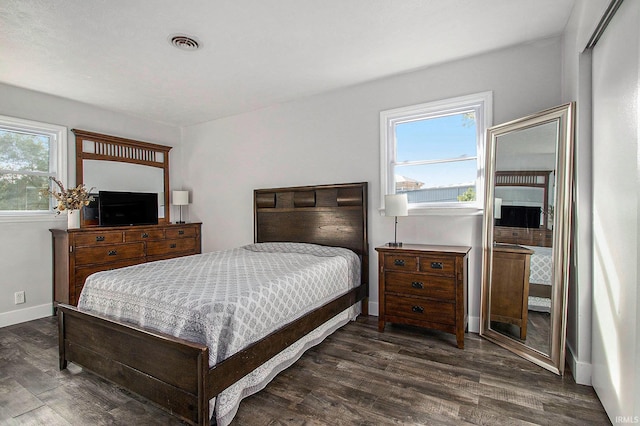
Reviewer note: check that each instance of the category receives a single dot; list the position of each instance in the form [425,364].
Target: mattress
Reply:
[228,300]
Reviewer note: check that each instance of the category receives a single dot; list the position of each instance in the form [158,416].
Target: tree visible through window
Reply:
[434,152]
[28,157]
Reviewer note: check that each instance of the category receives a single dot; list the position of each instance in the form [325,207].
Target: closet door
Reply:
[616,197]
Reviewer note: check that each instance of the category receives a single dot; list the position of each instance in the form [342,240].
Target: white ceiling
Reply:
[254,53]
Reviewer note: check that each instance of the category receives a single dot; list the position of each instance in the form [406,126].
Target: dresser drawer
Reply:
[178,245]
[420,309]
[143,235]
[398,262]
[98,238]
[182,232]
[108,253]
[440,265]
[421,285]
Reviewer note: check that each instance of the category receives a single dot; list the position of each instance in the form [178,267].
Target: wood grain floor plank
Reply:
[357,376]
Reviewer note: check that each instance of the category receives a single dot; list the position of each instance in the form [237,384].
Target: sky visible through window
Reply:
[440,138]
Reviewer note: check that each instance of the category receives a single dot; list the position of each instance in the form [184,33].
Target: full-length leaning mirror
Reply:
[526,235]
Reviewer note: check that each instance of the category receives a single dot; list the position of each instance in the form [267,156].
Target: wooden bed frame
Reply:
[174,373]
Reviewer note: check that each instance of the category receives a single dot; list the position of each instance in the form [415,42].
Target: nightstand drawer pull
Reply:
[436,265]
[100,238]
[112,253]
[181,232]
[172,245]
[417,284]
[145,235]
[418,309]
[398,262]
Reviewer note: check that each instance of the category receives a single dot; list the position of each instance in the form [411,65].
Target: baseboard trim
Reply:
[26,314]
[580,370]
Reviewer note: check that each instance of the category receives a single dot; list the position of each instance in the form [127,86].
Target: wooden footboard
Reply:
[168,371]
[174,373]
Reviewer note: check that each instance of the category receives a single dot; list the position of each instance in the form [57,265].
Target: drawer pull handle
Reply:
[417,284]
[436,265]
[100,238]
[398,262]
[181,232]
[112,252]
[172,246]
[417,309]
[145,235]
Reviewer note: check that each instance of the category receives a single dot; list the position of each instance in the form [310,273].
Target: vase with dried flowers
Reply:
[70,200]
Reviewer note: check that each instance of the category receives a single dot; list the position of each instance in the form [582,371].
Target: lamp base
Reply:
[180,221]
[394,244]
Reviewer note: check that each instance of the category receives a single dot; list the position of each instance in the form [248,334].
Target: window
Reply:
[434,152]
[30,152]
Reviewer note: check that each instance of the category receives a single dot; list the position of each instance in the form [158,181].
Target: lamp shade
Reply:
[180,198]
[497,208]
[396,205]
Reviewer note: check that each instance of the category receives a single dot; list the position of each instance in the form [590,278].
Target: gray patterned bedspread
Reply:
[541,265]
[227,299]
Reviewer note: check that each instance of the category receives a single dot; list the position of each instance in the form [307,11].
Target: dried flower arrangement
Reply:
[68,199]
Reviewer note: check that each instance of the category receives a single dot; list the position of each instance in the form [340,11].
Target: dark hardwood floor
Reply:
[357,376]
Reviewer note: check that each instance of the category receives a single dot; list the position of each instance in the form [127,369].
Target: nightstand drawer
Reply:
[420,309]
[401,263]
[437,265]
[421,285]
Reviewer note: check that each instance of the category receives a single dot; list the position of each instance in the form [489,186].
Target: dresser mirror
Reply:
[526,235]
[110,163]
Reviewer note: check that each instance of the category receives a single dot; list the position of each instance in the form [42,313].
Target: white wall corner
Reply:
[580,370]
[27,314]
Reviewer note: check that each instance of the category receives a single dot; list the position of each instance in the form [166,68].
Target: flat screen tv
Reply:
[520,216]
[116,208]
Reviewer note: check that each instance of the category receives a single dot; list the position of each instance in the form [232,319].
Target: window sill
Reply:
[21,217]
[442,211]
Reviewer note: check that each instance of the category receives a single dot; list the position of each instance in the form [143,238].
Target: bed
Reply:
[182,375]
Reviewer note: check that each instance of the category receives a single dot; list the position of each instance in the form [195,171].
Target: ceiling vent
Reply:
[184,42]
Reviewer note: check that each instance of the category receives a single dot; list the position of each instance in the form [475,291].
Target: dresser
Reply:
[510,285]
[425,286]
[78,253]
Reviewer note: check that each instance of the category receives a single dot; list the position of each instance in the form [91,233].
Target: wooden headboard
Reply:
[330,215]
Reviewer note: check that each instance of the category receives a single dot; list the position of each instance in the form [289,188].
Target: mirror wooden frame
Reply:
[554,360]
[113,148]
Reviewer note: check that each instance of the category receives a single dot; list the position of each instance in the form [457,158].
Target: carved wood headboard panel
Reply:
[330,215]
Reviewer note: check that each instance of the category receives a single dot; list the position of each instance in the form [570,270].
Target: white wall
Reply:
[25,251]
[616,197]
[334,138]
[576,86]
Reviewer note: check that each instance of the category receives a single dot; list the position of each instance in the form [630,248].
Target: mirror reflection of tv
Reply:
[520,216]
[118,208]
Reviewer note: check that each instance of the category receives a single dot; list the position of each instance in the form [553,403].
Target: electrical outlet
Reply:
[18,297]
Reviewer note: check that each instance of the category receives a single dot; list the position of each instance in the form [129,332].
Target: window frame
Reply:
[481,102]
[57,163]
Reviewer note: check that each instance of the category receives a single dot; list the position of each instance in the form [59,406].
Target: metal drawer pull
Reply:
[417,284]
[181,232]
[436,265]
[100,238]
[418,309]
[172,246]
[145,235]
[112,252]
[398,262]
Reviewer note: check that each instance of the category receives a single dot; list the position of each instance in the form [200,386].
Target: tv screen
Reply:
[127,208]
[520,216]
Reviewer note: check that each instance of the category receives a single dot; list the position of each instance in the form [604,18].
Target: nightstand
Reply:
[425,286]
